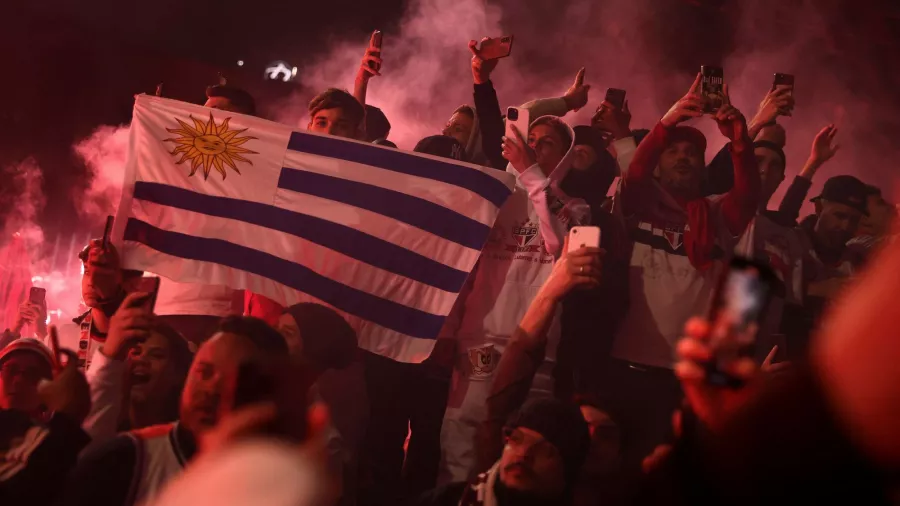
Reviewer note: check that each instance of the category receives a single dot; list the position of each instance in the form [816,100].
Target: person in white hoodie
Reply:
[516,261]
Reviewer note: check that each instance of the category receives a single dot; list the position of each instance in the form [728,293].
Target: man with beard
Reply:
[546,444]
[133,467]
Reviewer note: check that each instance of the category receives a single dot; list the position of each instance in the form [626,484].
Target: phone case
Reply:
[521,123]
[580,237]
[615,97]
[712,88]
[492,49]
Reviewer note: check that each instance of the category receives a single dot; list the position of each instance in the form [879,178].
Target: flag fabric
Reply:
[385,237]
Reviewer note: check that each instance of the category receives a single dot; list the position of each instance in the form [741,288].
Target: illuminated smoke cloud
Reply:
[104,154]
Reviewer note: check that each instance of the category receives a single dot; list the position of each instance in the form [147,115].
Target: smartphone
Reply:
[738,305]
[784,81]
[518,118]
[37,295]
[107,231]
[492,49]
[285,383]
[150,286]
[712,88]
[376,41]
[580,237]
[616,97]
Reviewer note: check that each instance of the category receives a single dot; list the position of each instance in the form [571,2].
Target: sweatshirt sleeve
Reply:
[105,379]
[43,458]
[552,229]
[546,107]
[789,209]
[490,120]
[741,202]
[625,149]
[103,476]
[636,180]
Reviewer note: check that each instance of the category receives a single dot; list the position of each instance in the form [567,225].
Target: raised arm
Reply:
[368,67]
[526,350]
[776,103]
[487,108]
[739,205]
[823,149]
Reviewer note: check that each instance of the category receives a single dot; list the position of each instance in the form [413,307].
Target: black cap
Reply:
[846,190]
[562,424]
[441,145]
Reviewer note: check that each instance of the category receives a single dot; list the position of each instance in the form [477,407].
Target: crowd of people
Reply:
[562,376]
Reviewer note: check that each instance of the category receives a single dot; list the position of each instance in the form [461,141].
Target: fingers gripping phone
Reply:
[781,82]
[376,41]
[616,97]
[150,286]
[583,237]
[520,118]
[492,49]
[739,303]
[712,87]
[107,231]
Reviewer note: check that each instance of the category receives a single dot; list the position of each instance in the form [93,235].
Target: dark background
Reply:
[69,66]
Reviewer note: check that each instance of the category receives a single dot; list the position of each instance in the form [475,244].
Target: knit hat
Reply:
[562,424]
[329,342]
[33,346]
[689,134]
[846,190]
[441,145]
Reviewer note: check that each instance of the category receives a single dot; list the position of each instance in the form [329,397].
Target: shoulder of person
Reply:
[446,495]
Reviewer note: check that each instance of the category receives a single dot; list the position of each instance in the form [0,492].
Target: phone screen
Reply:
[616,97]
[37,295]
[149,285]
[713,88]
[784,81]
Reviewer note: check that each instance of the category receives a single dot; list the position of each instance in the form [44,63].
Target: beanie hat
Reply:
[441,145]
[329,342]
[562,424]
[33,346]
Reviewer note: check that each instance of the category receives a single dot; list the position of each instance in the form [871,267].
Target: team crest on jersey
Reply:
[524,234]
[483,361]
[675,238]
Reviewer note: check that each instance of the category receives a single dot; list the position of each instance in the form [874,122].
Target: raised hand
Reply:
[68,392]
[578,269]
[687,107]
[776,103]
[481,68]
[613,121]
[517,151]
[576,96]
[731,122]
[823,147]
[128,326]
[371,61]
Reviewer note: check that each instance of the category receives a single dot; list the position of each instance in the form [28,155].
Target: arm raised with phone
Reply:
[369,66]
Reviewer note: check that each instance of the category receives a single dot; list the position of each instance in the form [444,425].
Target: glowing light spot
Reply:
[240,63]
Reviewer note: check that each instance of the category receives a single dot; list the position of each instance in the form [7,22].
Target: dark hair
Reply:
[242,100]
[468,110]
[329,342]
[127,274]
[557,124]
[263,336]
[334,98]
[181,356]
[377,124]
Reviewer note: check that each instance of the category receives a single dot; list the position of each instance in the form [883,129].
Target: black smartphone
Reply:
[712,87]
[784,81]
[283,382]
[150,286]
[37,295]
[739,303]
[616,97]
[377,39]
[492,49]
[107,231]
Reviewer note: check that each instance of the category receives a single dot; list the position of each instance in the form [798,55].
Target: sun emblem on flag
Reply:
[209,146]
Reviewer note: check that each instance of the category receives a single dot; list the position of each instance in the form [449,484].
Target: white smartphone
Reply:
[520,118]
[580,237]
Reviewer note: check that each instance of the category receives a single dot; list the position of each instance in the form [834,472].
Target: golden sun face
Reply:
[209,146]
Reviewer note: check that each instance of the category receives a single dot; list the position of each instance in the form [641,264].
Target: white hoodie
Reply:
[516,261]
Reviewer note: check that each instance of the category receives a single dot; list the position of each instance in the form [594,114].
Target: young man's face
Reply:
[459,127]
[20,374]
[771,171]
[681,168]
[213,370]
[334,122]
[585,156]
[837,224]
[548,145]
[152,374]
[99,284]
[532,464]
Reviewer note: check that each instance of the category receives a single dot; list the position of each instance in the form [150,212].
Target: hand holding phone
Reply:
[107,231]
[712,88]
[482,67]
[371,61]
[783,86]
[687,107]
[495,48]
[515,147]
[130,325]
[583,237]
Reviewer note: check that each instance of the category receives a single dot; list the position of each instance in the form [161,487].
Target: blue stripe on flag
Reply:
[400,206]
[386,313]
[473,180]
[334,236]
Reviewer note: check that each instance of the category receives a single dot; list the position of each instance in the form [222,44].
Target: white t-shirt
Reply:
[193,299]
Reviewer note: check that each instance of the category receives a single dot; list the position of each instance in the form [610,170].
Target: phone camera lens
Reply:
[512,115]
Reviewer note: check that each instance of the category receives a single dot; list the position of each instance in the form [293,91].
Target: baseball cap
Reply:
[846,190]
[33,346]
[441,145]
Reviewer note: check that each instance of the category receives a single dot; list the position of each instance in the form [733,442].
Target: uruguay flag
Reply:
[385,237]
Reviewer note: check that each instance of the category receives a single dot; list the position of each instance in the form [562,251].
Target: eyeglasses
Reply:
[538,447]
[10,371]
